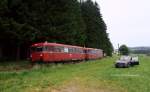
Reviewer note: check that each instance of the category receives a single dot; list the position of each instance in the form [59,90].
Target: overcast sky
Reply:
[128,21]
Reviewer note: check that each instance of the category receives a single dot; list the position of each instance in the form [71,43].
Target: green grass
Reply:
[14,65]
[97,76]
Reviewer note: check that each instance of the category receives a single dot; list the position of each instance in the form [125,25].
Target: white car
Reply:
[124,61]
[135,60]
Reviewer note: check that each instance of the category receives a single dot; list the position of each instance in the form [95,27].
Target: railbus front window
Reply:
[42,48]
[37,49]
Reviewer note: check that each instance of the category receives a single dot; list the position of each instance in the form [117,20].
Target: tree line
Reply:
[24,22]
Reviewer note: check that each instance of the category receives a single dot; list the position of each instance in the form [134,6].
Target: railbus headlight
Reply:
[41,55]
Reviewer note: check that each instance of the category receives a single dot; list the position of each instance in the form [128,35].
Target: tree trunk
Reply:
[18,53]
[1,52]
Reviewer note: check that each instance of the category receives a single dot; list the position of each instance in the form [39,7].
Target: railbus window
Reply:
[49,48]
[62,49]
[73,50]
[57,49]
[37,49]
[66,49]
[70,50]
[87,51]
[80,51]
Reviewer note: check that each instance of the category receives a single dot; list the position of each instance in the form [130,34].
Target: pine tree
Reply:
[26,21]
[95,27]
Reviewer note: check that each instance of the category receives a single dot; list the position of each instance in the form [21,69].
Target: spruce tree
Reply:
[24,22]
[95,27]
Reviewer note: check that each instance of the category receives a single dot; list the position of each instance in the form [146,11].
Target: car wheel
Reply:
[132,63]
[116,66]
[128,65]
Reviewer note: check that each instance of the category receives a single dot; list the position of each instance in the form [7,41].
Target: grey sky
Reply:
[128,21]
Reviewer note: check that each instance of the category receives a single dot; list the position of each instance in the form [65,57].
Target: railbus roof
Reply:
[54,44]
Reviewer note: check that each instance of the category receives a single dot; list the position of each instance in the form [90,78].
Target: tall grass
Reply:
[91,76]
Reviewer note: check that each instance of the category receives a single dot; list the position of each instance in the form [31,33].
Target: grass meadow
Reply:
[91,76]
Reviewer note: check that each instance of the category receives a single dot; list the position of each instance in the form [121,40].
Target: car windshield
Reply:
[125,58]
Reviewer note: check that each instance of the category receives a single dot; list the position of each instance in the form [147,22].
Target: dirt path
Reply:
[79,85]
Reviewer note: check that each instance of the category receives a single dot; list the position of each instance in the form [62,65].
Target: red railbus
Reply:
[92,53]
[53,52]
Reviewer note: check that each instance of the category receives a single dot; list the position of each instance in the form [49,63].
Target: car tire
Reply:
[128,65]
[137,63]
